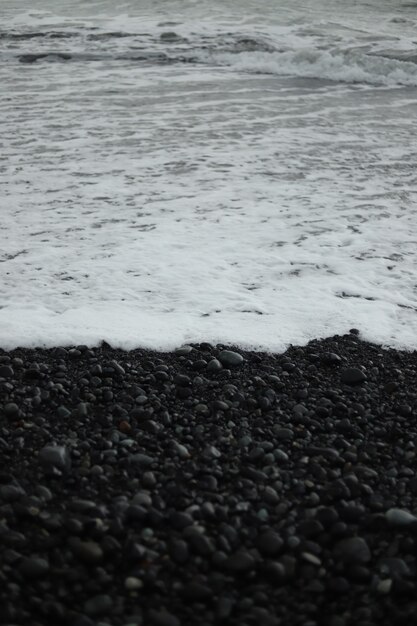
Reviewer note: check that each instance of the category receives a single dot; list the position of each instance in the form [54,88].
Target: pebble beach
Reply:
[208,485]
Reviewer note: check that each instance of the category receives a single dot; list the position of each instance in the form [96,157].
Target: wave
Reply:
[348,67]
[238,51]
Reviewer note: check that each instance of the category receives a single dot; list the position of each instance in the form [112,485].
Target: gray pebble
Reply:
[399,518]
[98,605]
[141,459]
[228,358]
[240,562]
[353,376]
[33,567]
[55,457]
[353,550]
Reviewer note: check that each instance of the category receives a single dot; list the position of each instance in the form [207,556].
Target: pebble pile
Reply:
[208,486]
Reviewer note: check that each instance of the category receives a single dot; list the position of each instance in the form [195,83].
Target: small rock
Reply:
[178,551]
[353,376]
[196,592]
[11,493]
[228,358]
[87,551]
[184,350]
[180,450]
[98,605]
[353,550]
[330,358]
[384,586]
[141,459]
[269,543]
[240,562]
[214,366]
[398,518]
[6,371]
[163,618]
[11,410]
[132,583]
[34,567]
[55,457]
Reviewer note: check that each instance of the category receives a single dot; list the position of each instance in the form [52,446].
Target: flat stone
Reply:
[143,460]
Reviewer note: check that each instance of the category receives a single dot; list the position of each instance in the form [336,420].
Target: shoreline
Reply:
[149,487]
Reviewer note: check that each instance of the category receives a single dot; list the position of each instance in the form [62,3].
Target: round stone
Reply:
[6,371]
[353,376]
[353,550]
[269,543]
[98,605]
[214,366]
[11,409]
[132,583]
[228,358]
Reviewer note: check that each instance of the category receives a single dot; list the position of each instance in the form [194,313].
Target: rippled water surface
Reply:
[238,172]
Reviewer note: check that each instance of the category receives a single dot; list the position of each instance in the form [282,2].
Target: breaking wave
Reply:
[348,67]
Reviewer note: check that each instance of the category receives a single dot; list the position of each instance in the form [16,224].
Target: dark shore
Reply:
[166,489]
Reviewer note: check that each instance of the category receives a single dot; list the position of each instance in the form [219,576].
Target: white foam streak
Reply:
[336,66]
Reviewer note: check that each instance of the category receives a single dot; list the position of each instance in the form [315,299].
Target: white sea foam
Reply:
[254,184]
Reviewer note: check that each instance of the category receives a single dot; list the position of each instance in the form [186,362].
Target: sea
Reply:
[234,171]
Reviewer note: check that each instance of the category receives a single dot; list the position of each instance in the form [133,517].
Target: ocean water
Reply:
[230,171]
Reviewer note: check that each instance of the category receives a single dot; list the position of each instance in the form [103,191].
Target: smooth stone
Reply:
[399,518]
[11,409]
[132,583]
[394,566]
[228,358]
[180,450]
[196,592]
[143,460]
[269,543]
[353,550]
[163,618]
[6,371]
[353,376]
[98,605]
[240,562]
[184,350]
[34,567]
[87,551]
[11,493]
[178,551]
[214,366]
[58,457]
